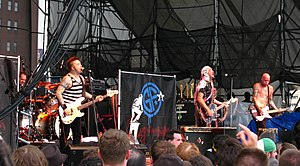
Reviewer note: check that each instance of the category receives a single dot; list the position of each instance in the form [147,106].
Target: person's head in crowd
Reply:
[5,155]
[290,157]
[284,146]
[187,150]
[114,147]
[218,141]
[211,156]
[90,153]
[201,160]
[296,134]
[174,136]
[226,154]
[22,78]
[161,147]
[268,146]
[29,155]
[137,157]
[53,155]
[91,161]
[251,157]
[171,159]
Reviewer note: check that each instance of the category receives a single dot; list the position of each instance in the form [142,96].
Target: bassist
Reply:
[70,89]
[262,100]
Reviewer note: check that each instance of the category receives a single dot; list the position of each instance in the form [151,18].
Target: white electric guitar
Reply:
[265,113]
[76,106]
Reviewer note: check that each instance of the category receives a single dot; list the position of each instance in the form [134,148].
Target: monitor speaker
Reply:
[203,136]
[75,152]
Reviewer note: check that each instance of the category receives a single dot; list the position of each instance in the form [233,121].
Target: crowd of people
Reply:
[115,149]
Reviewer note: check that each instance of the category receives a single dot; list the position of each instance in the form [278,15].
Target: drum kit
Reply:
[39,115]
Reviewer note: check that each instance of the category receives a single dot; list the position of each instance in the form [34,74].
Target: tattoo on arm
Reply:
[65,83]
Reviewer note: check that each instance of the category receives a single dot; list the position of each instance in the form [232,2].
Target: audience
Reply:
[175,137]
[284,146]
[290,157]
[115,150]
[161,147]
[269,147]
[53,155]
[91,161]
[137,158]
[187,150]
[226,154]
[170,160]
[5,155]
[114,147]
[201,160]
[296,134]
[29,155]
[251,157]
[90,153]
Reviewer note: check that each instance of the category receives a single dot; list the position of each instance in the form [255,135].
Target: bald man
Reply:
[262,99]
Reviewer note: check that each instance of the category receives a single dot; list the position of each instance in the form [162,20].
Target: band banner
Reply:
[147,109]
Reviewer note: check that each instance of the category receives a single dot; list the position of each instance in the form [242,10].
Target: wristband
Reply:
[64,106]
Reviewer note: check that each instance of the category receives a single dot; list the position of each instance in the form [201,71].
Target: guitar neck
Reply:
[221,106]
[85,105]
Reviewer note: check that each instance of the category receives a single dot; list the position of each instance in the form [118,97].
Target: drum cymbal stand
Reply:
[36,135]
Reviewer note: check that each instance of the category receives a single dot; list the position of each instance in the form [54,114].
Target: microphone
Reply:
[231,75]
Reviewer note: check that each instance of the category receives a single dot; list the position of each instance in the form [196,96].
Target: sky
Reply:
[41,18]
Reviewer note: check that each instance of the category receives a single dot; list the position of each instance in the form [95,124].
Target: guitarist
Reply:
[262,100]
[204,97]
[70,89]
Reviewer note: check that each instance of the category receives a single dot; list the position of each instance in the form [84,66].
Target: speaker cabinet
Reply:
[203,136]
[75,152]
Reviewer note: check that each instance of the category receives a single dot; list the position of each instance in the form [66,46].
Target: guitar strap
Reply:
[268,97]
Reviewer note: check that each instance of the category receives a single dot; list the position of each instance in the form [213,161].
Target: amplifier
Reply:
[203,136]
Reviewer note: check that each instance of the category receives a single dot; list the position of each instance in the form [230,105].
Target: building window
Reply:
[16,25]
[15,47]
[8,25]
[9,5]
[0,4]
[8,46]
[16,6]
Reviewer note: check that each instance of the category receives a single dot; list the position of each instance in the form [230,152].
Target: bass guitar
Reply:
[208,119]
[76,106]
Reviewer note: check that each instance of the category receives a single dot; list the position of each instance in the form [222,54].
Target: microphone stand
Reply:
[231,87]
[94,106]
[231,76]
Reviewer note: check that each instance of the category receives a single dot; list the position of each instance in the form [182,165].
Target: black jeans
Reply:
[65,130]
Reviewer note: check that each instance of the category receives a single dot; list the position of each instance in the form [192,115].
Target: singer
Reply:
[69,91]
[204,99]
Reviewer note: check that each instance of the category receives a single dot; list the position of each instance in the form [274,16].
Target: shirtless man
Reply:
[262,99]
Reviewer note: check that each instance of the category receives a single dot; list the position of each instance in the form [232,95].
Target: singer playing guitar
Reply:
[69,90]
[262,101]
[205,97]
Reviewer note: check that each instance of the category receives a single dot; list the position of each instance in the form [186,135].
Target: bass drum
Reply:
[58,130]
[42,124]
